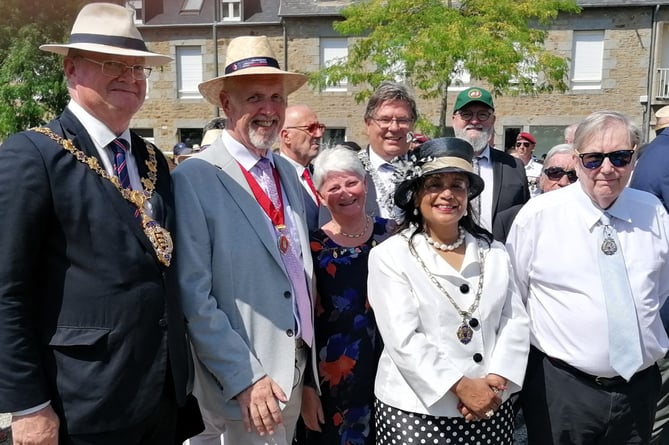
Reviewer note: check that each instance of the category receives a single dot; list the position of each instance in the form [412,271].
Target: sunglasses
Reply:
[311,128]
[556,173]
[619,158]
[522,144]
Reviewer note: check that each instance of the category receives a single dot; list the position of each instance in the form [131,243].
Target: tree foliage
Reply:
[431,43]
[32,86]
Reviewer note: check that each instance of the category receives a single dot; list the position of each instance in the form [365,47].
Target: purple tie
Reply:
[292,260]
[119,147]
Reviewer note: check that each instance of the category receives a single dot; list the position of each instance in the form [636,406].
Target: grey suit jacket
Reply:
[236,293]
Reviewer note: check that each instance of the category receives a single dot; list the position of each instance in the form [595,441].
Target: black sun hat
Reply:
[441,155]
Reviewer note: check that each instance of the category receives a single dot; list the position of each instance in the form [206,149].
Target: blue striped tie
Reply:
[119,147]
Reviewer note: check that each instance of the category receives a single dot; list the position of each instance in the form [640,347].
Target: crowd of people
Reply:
[268,291]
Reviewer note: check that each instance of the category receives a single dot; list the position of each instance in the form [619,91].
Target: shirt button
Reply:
[290,333]
[464,288]
[286,294]
[478,358]
[162,323]
[474,322]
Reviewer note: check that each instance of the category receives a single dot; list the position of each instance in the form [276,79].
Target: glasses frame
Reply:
[481,116]
[523,144]
[139,72]
[570,174]
[385,123]
[310,129]
[618,158]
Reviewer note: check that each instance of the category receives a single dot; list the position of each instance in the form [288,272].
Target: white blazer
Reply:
[422,356]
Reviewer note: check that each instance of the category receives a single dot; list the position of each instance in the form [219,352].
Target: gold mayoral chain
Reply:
[159,236]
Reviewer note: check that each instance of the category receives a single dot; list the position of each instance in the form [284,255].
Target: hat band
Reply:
[120,42]
[251,62]
[447,161]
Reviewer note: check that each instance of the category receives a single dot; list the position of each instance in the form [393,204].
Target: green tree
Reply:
[430,43]
[32,86]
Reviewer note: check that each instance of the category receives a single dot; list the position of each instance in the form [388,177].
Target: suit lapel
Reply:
[497,172]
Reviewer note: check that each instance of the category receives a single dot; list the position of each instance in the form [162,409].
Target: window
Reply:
[231,10]
[333,136]
[189,71]
[191,6]
[136,7]
[190,136]
[547,137]
[334,50]
[587,60]
[460,78]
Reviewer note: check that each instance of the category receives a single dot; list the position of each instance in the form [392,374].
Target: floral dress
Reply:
[348,344]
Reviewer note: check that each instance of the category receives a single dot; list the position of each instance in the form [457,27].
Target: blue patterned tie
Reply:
[624,343]
[119,147]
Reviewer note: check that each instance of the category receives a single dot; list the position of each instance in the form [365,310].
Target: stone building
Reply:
[618,52]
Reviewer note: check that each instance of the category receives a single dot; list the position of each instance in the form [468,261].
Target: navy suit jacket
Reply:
[87,313]
[510,189]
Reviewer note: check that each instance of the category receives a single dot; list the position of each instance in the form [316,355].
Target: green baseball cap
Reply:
[474,94]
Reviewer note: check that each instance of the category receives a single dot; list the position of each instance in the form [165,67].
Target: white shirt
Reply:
[533,171]
[422,356]
[387,186]
[299,169]
[554,244]
[486,173]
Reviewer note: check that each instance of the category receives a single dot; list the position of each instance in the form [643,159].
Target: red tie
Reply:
[307,177]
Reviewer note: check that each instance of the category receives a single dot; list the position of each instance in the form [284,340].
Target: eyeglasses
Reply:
[385,122]
[311,128]
[619,158]
[556,173]
[522,144]
[480,115]
[113,68]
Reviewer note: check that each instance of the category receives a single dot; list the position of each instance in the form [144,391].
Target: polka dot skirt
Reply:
[397,427]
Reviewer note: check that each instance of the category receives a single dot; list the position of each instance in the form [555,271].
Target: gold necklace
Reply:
[160,238]
[356,235]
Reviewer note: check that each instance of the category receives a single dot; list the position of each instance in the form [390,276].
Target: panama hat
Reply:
[108,29]
[440,155]
[248,56]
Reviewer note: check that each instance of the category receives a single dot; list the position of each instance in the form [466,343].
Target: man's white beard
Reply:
[479,142]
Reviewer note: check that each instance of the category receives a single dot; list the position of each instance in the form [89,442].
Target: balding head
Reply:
[301,134]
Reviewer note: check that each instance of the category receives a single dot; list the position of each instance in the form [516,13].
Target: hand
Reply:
[38,428]
[259,405]
[312,410]
[476,398]
[496,381]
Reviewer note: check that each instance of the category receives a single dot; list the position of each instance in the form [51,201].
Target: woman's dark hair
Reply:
[467,222]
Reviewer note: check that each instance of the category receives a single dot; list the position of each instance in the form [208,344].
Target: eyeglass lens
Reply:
[619,158]
[480,115]
[386,122]
[556,173]
[522,144]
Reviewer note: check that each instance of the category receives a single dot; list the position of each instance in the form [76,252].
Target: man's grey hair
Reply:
[601,120]
[390,91]
[560,148]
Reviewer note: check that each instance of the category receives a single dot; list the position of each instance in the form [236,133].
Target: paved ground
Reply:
[5,420]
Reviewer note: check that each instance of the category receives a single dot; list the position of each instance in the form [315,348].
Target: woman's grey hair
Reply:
[560,148]
[390,91]
[337,159]
[602,120]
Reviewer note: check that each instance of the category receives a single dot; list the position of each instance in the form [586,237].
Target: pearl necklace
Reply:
[356,235]
[447,247]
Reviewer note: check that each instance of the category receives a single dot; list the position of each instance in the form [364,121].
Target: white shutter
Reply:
[333,50]
[587,60]
[189,71]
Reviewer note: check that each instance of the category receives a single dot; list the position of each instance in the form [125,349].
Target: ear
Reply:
[225,101]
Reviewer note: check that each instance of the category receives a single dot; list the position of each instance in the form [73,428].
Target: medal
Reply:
[283,243]
[465,333]
[160,238]
[609,246]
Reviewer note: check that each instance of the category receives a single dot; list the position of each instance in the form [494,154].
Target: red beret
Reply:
[527,136]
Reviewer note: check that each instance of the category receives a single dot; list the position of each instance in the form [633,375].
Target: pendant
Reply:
[160,238]
[465,333]
[283,244]
[609,246]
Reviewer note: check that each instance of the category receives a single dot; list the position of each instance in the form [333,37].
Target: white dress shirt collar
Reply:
[243,155]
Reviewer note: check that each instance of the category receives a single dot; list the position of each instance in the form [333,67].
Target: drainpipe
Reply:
[214,37]
[651,73]
[285,44]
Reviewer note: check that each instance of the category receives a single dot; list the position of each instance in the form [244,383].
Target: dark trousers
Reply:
[563,406]
[158,429]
